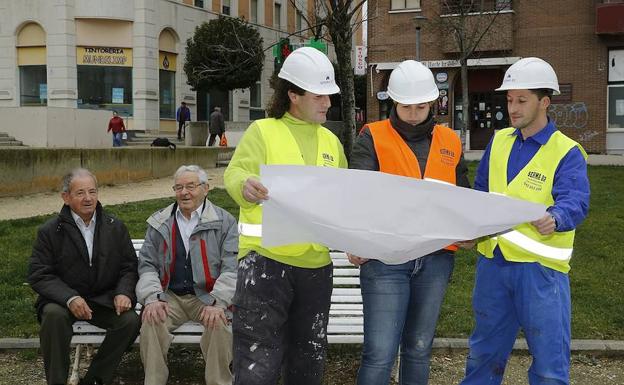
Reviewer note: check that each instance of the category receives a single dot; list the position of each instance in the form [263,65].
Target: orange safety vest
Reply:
[396,157]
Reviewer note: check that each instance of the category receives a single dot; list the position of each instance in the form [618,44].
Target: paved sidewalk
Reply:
[47,203]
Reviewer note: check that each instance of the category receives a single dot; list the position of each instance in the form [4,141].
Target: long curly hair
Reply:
[280,102]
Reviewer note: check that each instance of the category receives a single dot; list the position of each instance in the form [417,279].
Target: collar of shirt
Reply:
[86,231]
[542,136]
[186,226]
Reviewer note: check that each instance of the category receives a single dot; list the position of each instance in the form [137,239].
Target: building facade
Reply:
[73,58]
[582,39]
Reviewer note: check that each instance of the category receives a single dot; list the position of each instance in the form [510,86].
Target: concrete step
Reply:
[7,140]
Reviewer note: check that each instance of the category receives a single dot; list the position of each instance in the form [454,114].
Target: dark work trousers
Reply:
[280,322]
[181,129]
[56,333]
[211,141]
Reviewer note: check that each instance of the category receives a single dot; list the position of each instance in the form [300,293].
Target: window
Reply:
[33,85]
[253,12]
[105,87]
[615,98]
[225,7]
[299,21]
[255,102]
[199,3]
[277,15]
[167,94]
[256,95]
[404,4]
[454,7]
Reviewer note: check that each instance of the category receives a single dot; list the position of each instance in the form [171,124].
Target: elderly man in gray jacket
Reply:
[187,272]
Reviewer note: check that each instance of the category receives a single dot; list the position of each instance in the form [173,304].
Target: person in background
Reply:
[117,126]
[216,126]
[183,115]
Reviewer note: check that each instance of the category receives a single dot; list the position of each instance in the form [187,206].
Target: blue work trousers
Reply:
[508,296]
[401,307]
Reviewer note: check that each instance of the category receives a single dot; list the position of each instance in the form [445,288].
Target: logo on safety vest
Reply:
[328,160]
[447,156]
[535,181]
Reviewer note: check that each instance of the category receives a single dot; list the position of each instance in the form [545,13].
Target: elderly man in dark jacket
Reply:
[84,267]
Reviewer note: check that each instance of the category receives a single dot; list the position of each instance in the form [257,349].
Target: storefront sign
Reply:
[360,60]
[167,61]
[443,103]
[118,95]
[441,77]
[382,95]
[104,56]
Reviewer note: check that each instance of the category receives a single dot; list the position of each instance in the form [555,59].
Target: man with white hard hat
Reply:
[521,279]
[283,293]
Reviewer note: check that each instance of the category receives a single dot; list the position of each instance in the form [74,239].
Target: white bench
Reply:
[345,315]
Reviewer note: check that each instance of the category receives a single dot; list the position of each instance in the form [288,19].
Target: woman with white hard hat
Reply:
[283,293]
[402,302]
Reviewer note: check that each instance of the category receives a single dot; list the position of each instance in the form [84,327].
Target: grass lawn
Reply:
[597,275]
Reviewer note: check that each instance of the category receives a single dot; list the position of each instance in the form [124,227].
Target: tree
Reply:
[340,18]
[224,53]
[468,22]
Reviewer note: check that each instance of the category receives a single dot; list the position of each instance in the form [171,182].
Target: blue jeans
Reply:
[401,307]
[511,295]
[117,139]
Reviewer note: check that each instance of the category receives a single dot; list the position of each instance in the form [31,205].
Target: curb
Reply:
[576,346]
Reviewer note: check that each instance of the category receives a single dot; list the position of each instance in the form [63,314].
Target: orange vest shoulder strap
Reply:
[444,155]
[394,155]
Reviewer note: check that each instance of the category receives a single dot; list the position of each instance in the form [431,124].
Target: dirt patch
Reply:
[47,203]
[186,367]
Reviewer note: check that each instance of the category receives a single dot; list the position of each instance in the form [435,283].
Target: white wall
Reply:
[57,127]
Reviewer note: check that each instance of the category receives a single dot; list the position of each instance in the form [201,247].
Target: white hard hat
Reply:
[530,73]
[412,83]
[309,69]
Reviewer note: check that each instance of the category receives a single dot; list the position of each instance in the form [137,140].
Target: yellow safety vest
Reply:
[533,183]
[282,148]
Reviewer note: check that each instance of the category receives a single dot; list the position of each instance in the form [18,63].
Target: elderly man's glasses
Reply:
[190,187]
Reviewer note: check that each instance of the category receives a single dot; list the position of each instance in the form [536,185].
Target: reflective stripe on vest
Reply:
[397,158]
[533,183]
[282,148]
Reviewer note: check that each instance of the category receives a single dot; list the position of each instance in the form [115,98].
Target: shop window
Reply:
[404,4]
[33,85]
[31,61]
[615,95]
[105,87]
[167,95]
[253,6]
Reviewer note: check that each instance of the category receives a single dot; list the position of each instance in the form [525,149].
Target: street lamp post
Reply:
[417,22]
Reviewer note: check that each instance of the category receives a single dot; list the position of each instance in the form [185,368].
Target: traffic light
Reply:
[281,51]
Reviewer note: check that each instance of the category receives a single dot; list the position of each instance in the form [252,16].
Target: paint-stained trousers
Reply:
[280,322]
[215,344]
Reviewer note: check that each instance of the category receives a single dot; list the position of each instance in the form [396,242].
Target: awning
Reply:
[482,62]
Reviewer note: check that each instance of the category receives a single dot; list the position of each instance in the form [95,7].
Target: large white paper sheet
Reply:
[377,215]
